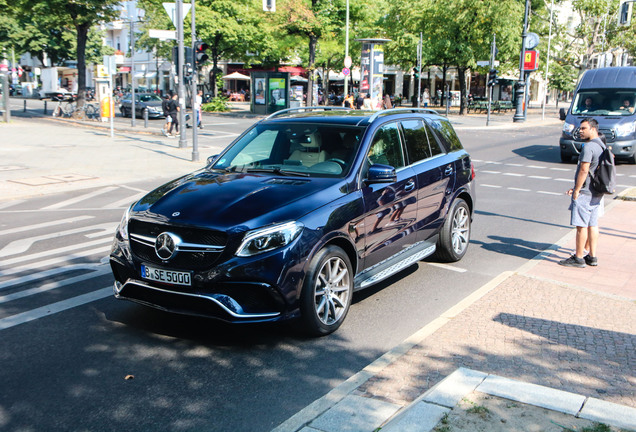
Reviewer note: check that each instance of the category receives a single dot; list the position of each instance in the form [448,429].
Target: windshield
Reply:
[605,102]
[150,98]
[294,149]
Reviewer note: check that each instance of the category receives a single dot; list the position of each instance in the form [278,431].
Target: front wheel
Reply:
[327,292]
[455,234]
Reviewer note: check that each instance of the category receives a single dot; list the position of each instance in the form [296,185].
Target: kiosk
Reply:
[270,92]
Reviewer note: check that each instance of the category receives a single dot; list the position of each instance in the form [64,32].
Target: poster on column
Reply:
[365,69]
[378,76]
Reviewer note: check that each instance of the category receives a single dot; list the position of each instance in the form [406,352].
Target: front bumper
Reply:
[237,290]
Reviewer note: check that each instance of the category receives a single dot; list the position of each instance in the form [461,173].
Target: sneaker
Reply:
[573,261]
[590,260]
[163,131]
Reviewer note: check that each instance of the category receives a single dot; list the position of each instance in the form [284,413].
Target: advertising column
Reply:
[372,70]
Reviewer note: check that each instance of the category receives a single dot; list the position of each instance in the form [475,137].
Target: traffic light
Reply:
[416,72]
[188,68]
[492,77]
[200,56]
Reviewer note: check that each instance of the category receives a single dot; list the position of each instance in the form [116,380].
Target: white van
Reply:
[608,96]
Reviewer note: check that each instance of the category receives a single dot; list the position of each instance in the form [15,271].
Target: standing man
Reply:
[173,110]
[586,206]
[165,103]
[199,100]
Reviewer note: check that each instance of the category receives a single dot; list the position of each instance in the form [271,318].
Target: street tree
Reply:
[82,16]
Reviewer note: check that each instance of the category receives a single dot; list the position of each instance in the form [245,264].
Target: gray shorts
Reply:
[586,210]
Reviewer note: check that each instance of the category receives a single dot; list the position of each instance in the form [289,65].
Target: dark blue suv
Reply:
[304,208]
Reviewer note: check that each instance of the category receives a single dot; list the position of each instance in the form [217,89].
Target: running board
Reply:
[393,265]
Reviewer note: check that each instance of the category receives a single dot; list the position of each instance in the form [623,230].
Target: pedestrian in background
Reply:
[587,205]
[199,102]
[173,110]
[348,101]
[166,113]
[426,97]
[387,102]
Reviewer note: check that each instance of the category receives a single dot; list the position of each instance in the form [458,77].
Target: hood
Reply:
[247,200]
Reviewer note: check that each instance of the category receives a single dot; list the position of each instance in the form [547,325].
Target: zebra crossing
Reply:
[60,261]
[552,181]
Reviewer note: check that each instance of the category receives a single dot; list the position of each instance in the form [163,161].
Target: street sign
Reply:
[531,61]
[345,71]
[171,9]
[486,63]
[162,34]
[347,61]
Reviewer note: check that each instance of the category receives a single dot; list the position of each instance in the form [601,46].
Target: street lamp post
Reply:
[346,81]
[520,88]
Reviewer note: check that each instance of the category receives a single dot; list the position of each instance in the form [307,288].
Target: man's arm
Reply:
[580,180]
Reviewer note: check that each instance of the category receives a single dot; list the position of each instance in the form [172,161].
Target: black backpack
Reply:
[603,180]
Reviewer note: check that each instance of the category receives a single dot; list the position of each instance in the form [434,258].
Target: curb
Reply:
[444,396]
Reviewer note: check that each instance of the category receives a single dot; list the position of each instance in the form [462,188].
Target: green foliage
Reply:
[218,104]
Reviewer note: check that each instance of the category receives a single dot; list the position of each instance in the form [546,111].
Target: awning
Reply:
[236,76]
[298,78]
[146,75]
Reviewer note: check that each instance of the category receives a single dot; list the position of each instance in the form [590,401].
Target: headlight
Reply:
[568,128]
[123,225]
[267,239]
[625,129]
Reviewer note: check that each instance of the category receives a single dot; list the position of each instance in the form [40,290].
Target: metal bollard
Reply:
[44,107]
[145,117]
[24,109]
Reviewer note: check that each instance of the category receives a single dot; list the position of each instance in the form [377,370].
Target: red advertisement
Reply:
[531,61]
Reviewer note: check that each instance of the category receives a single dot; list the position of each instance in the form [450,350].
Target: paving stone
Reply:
[609,413]
[355,414]
[420,417]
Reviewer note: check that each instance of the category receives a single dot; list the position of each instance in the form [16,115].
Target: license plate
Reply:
[166,276]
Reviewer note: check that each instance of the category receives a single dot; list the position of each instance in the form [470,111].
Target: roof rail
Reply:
[401,110]
[305,109]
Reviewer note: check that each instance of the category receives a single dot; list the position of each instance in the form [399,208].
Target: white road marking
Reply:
[561,169]
[80,198]
[448,267]
[22,245]
[10,204]
[54,285]
[564,180]
[540,177]
[490,186]
[519,189]
[123,203]
[489,172]
[550,193]
[514,174]
[44,225]
[54,308]
[536,167]
[53,261]
[47,273]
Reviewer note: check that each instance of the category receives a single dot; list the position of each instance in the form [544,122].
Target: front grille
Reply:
[610,134]
[199,260]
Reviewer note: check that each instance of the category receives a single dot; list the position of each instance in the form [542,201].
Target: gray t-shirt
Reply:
[590,152]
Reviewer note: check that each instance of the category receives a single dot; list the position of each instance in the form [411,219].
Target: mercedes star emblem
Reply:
[166,245]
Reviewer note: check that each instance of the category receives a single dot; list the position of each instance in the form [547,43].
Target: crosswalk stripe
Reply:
[79,198]
[52,252]
[8,204]
[44,225]
[54,308]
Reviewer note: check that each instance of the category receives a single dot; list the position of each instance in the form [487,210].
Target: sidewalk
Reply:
[562,339]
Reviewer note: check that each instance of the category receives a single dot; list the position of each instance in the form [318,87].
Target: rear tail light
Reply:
[472,171]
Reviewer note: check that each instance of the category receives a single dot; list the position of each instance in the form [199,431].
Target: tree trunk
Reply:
[313,42]
[82,37]
[462,89]
[443,98]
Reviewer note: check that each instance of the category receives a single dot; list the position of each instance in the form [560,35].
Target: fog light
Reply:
[627,148]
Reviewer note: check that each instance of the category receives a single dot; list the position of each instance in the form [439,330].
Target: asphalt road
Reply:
[75,359]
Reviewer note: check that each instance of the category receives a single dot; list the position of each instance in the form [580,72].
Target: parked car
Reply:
[61,95]
[304,208]
[607,95]
[150,101]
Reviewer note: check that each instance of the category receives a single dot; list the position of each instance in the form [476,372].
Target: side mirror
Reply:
[562,113]
[212,159]
[379,173]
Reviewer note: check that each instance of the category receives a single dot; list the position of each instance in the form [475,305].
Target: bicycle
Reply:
[67,109]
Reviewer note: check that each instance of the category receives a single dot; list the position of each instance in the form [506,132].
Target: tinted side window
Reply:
[446,134]
[416,140]
[386,147]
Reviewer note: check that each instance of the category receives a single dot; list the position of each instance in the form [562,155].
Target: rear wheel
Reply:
[455,234]
[327,292]
[565,158]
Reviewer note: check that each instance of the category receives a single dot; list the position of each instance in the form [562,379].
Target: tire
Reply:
[91,112]
[565,158]
[327,292]
[124,112]
[455,234]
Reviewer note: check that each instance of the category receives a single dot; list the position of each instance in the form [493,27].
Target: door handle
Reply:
[449,170]
[409,186]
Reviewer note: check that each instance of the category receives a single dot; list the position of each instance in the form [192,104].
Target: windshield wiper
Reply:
[277,170]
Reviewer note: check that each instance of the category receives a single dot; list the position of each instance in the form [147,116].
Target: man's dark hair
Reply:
[593,123]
